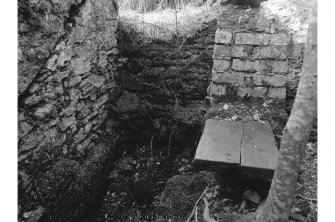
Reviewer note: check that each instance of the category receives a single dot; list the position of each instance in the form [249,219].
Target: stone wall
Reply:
[171,78]
[259,57]
[66,75]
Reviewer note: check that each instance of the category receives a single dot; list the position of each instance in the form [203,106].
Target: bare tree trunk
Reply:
[280,199]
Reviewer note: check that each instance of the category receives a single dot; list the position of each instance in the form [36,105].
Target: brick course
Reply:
[270,52]
[221,51]
[262,39]
[261,66]
[257,64]
[223,36]
[228,77]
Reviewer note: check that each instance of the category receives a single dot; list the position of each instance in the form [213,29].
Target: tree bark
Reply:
[281,195]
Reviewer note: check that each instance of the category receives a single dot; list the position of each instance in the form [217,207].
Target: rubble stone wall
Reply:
[65,78]
[66,69]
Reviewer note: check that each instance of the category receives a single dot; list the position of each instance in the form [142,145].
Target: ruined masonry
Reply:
[254,63]
[66,72]
[260,58]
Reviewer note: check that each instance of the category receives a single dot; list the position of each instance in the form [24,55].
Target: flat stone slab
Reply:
[220,142]
[248,144]
[258,149]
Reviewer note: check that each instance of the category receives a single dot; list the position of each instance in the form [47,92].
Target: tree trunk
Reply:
[280,199]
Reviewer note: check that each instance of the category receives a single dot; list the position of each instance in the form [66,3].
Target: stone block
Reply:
[96,80]
[252,38]
[280,67]
[220,142]
[228,77]
[70,109]
[67,122]
[296,51]
[273,80]
[277,93]
[262,39]
[270,52]
[80,66]
[260,66]
[221,51]
[100,101]
[33,99]
[221,65]
[258,148]
[249,66]
[61,75]
[223,36]
[74,81]
[217,90]
[34,88]
[43,111]
[240,51]
[280,39]
[255,91]
[23,129]
[32,139]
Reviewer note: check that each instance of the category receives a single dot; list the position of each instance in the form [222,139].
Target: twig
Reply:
[152,138]
[130,194]
[206,215]
[117,206]
[195,57]
[196,214]
[196,204]
[183,42]
[306,198]
[167,159]
[176,15]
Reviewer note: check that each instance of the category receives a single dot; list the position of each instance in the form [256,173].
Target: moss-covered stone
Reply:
[180,195]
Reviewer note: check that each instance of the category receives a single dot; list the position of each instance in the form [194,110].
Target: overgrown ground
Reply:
[228,200]
[121,204]
[146,169]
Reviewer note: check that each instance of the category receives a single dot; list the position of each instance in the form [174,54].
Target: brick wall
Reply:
[259,59]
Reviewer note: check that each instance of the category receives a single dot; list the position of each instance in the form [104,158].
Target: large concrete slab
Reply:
[258,149]
[220,142]
[248,147]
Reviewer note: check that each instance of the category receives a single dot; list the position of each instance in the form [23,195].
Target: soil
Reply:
[139,178]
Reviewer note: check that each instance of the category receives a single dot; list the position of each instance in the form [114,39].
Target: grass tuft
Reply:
[164,19]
